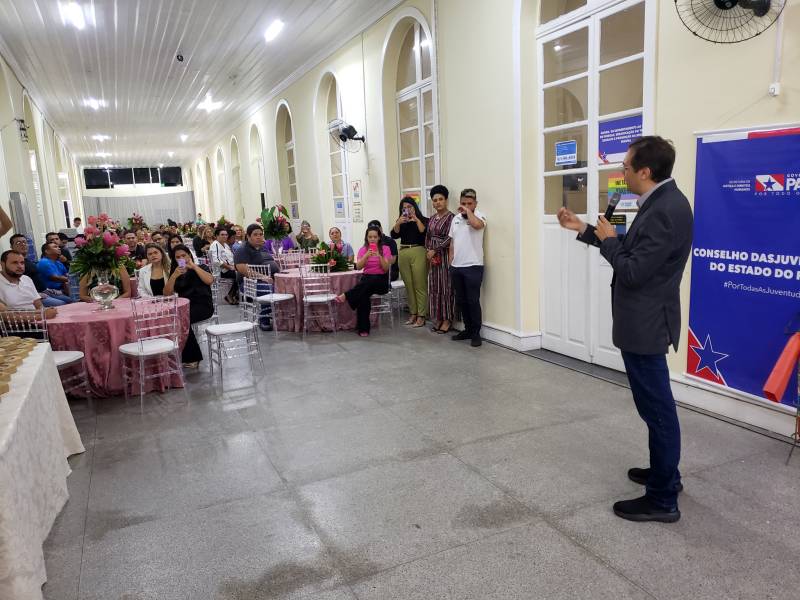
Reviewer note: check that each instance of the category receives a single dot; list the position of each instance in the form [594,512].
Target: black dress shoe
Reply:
[640,476]
[461,336]
[642,509]
[476,341]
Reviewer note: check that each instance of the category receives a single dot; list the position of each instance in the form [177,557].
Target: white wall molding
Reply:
[521,341]
[771,416]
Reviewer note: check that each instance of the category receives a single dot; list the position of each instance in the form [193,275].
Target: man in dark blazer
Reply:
[648,263]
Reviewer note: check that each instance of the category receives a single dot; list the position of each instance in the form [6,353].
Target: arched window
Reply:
[258,176]
[338,157]
[416,116]
[222,193]
[285,143]
[236,184]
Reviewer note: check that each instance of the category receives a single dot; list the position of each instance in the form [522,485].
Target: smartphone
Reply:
[405,213]
[182,263]
[373,247]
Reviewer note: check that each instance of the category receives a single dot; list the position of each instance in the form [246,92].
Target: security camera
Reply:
[179,57]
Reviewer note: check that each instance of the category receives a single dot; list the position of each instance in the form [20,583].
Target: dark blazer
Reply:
[648,265]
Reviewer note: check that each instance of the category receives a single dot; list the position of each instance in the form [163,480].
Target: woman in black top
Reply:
[192,282]
[410,228]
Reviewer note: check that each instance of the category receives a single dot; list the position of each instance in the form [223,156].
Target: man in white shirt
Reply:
[17,291]
[466,264]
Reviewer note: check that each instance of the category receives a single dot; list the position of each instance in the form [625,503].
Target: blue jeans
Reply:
[649,378]
[55,301]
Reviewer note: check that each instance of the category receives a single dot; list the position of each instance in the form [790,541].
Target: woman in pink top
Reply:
[375,259]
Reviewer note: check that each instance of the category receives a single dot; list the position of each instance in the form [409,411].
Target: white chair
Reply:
[156,353]
[398,296]
[290,260]
[200,326]
[33,324]
[235,340]
[318,296]
[282,305]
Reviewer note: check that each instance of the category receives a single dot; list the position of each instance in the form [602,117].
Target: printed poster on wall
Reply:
[566,153]
[615,136]
[617,185]
[746,258]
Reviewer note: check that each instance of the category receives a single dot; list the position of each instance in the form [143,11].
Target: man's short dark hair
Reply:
[653,152]
[49,233]
[44,247]
[440,189]
[253,227]
[5,254]
[76,219]
[63,236]
[15,236]
[375,223]
[469,193]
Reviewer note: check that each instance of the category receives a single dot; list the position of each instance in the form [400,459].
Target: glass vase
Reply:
[104,292]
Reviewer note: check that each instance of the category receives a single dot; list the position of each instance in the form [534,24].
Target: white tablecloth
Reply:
[37,434]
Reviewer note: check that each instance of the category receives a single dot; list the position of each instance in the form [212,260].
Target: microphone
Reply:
[612,204]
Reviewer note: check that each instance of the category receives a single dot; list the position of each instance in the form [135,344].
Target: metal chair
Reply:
[281,305]
[235,340]
[317,294]
[157,344]
[33,324]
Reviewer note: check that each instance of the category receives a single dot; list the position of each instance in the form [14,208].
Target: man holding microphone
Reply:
[648,263]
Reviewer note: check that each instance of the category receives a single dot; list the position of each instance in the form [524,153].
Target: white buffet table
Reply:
[37,434]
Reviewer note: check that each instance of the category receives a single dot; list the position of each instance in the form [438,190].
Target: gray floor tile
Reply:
[533,562]
[318,450]
[390,514]
[69,526]
[725,546]
[144,486]
[63,570]
[560,467]
[244,550]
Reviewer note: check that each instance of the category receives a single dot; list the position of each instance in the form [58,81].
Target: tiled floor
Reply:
[408,466]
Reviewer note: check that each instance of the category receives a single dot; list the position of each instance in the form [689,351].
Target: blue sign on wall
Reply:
[745,259]
[566,153]
[615,136]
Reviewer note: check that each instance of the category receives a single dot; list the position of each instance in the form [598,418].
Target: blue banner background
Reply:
[737,320]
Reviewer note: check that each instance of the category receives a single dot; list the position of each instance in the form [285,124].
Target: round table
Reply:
[290,282]
[99,334]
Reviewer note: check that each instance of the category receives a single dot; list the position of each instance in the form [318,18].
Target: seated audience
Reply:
[17,291]
[174,239]
[77,225]
[392,246]
[375,258]
[122,280]
[158,238]
[138,253]
[192,282]
[252,252]
[65,255]
[152,277]
[53,273]
[307,239]
[340,246]
[220,254]
[276,247]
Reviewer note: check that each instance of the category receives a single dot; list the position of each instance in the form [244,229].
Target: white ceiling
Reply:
[129,60]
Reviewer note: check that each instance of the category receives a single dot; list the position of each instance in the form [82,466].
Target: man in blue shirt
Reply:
[252,252]
[53,273]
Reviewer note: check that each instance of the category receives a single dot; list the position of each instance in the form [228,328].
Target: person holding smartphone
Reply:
[375,259]
[410,229]
[192,282]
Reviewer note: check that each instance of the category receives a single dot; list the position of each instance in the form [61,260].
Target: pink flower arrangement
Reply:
[92,220]
[108,239]
[80,242]
[332,262]
[90,231]
[122,250]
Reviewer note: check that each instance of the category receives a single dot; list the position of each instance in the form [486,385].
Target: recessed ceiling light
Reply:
[102,154]
[184,137]
[208,104]
[160,165]
[101,137]
[273,30]
[105,166]
[73,13]
[94,103]
[170,154]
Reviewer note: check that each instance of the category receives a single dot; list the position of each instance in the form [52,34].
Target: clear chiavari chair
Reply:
[318,296]
[234,340]
[156,353]
[71,364]
[281,305]
[384,304]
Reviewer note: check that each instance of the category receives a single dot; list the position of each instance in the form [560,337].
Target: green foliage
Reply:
[329,256]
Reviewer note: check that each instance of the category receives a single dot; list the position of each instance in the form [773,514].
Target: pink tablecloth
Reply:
[289,282]
[99,335]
